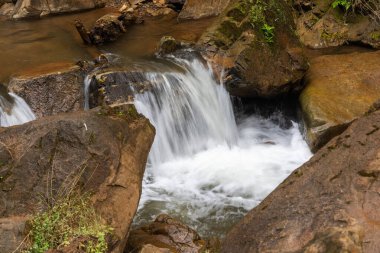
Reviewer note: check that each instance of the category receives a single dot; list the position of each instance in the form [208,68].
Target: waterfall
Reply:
[87,83]
[14,111]
[204,167]
[190,110]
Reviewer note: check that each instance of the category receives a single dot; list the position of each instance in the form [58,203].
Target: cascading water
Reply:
[14,111]
[203,167]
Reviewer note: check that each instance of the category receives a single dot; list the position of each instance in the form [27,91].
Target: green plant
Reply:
[69,218]
[268,32]
[346,4]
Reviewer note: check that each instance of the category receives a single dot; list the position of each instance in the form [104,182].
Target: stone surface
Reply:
[7,9]
[114,86]
[255,64]
[106,150]
[50,89]
[196,9]
[319,25]
[339,89]
[330,204]
[165,233]
[37,8]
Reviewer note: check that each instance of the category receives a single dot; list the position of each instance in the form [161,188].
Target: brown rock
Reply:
[36,8]
[330,204]
[165,233]
[339,89]
[107,150]
[196,9]
[257,63]
[319,25]
[50,89]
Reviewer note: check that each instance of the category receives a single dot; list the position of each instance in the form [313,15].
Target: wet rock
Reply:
[37,8]
[165,233]
[320,25]
[104,150]
[196,9]
[116,86]
[108,28]
[330,204]
[168,45]
[339,89]
[260,53]
[50,89]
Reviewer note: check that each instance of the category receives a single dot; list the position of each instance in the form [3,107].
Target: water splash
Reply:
[203,167]
[14,111]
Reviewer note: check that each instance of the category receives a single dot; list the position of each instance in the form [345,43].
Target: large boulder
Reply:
[325,23]
[37,8]
[104,151]
[255,44]
[330,204]
[50,89]
[339,89]
[196,9]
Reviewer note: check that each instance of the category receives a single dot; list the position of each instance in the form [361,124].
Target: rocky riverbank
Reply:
[94,160]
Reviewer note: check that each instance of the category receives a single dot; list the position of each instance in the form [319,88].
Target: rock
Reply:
[50,89]
[260,54]
[319,25]
[7,9]
[168,45]
[165,233]
[116,86]
[106,150]
[330,204]
[339,89]
[12,232]
[108,28]
[37,8]
[196,9]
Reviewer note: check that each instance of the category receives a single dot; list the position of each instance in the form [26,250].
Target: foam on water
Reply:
[203,167]
[14,112]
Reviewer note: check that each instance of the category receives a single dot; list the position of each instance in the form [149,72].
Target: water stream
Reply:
[204,168]
[14,111]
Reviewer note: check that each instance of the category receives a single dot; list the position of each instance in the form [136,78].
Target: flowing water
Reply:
[204,168]
[14,111]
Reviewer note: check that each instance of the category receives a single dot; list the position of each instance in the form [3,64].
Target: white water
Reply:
[87,83]
[203,167]
[14,113]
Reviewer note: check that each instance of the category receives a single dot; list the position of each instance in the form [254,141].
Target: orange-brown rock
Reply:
[320,25]
[256,63]
[196,9]
[105,151]
[165,234]
[330,204]
[339,89]
[51,88]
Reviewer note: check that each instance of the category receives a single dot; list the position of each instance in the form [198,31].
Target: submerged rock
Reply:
[256,46]
[50,89]
[196,9]
[104,151]
[339,89]
[37,8]
[330,204]
[320,25]
[165,234]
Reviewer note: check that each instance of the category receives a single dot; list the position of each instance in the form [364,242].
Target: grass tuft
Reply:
[71,217]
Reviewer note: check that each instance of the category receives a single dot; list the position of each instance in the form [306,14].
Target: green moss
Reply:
[375,35]
[69,218]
